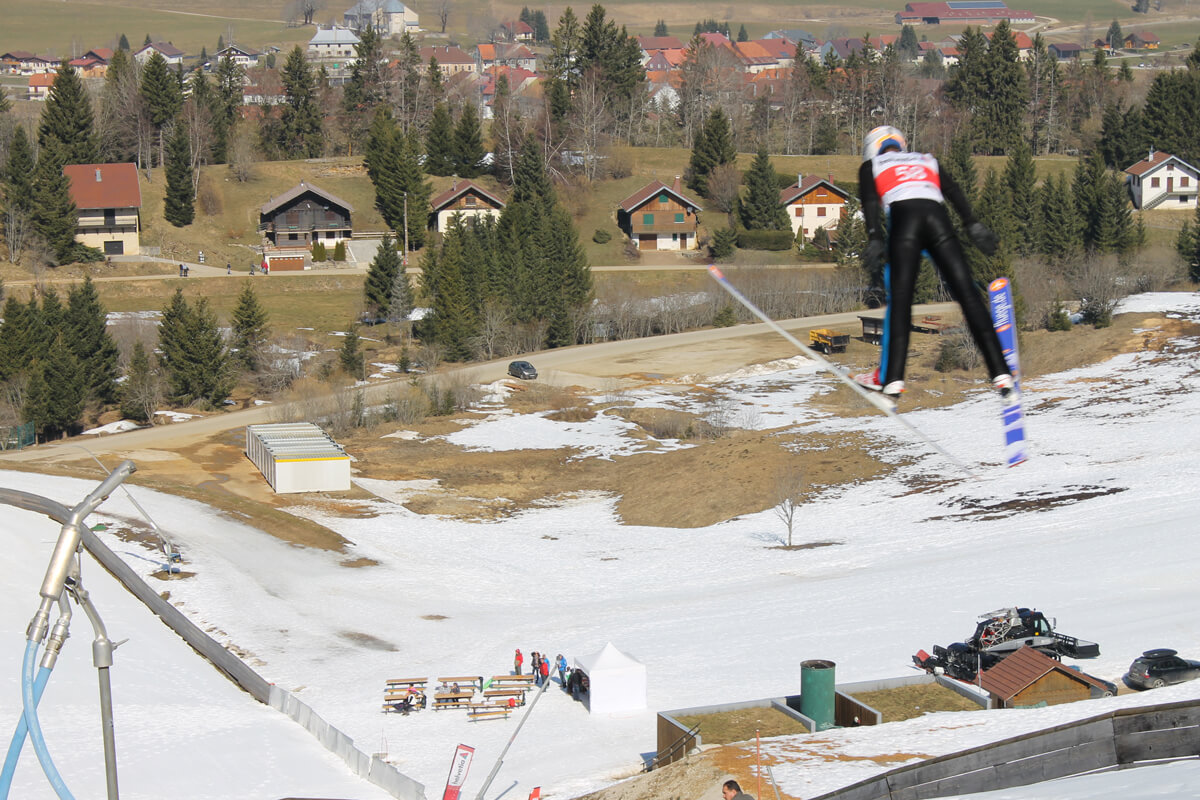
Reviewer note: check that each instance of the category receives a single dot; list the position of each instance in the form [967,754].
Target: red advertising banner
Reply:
[458,771]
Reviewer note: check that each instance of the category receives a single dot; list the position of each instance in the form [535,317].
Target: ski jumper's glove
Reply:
[983,237]
[873,255]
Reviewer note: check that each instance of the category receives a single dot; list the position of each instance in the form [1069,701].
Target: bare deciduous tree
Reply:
[17,229]
[444,7]
[789,496]
[724,186]
[241,154]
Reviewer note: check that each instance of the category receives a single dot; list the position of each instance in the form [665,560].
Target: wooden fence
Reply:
[1121,738]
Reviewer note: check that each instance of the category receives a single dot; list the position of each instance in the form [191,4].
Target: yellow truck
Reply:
[828,341]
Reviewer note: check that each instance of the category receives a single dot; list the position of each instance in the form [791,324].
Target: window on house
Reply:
[1170,167]
[1154,183]
[679,217]
[1183,181]
[470,200]
[662,199]
[647,219]
[1183,198]
[799,211]
[806,232]
[674,237]
[820,211]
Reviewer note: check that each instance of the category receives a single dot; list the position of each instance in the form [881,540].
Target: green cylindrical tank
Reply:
[817,691]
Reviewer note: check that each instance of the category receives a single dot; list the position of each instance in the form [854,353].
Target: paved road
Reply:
[598,366]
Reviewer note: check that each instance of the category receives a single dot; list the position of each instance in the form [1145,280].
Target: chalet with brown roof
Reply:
[89,66]
[783,51]
[1029,677]
[1163,181]
[464,197]
[1142,40]
[304,215]
[516,31]
[109,199]
[170,53]
[22,62]
[813,202]
[659,217]
[657,44]
[239,54]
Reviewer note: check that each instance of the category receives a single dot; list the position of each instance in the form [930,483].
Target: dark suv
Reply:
[1158,668]
[523,370]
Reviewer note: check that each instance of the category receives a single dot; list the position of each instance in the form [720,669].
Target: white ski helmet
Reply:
[881,138]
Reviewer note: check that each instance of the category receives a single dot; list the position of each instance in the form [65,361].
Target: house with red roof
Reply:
[506,55]
[39,85]
[516,31]
[1142,40]
[783,51]
[463,197]
[1162,181]
[813,202]
[109,200]
[754,57]
[659,217]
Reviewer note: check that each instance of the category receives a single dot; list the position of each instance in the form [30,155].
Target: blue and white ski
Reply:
[1005,322]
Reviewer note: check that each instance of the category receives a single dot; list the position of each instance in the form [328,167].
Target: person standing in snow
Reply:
[912,190]
[561,663]
[544,671]
[518,660]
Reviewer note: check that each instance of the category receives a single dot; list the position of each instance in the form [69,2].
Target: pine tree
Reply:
[1020,180]
[123,43]
[1007,92]
[300,123]
[995,211]
[179,205]
[439,142]
[961,167]
[400,302]
[410,181]
[141,390]
[365,90]
[250,329]
[97,353]
[452,322]
[468,144]
[742,35]
[660,28]
[203,55]
[541,28]
[1058,234]
[220,42]
[19,171]
[17,338]
[53,213]
[163,98]
[713,147]
[351,357]
[147,41]
[1114,37]
[211,376]
[381,278]
[531,184]
[5,103]
[760,209]
[56,391]
[1087,189]
[569,277]
[172,343]
[908,46]
[67,120]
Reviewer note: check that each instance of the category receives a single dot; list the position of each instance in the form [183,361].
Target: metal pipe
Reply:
[500,761]
[102,658]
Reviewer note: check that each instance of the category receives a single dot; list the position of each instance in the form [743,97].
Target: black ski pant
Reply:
[923,225]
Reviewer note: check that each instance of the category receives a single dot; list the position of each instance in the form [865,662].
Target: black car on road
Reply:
[523,370]
[1157,668]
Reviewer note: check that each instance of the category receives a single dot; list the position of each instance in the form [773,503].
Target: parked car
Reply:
[1157,668]
[523,370]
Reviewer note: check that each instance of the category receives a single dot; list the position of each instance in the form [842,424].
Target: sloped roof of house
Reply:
[517,28]
[18,55]
[657,63]
[1024,668]
[42,79]
[104,185]
[445,54]
[651,190]
[238,48]
[102,53]
[716,39]
[651,43]
[167,49]
[457,190]
[299,189]
[779,48]
[1155,160]
[754,53]
[334,35]
[384,6]
[1066,47]
[1145,36]
[806,185]
[83,62]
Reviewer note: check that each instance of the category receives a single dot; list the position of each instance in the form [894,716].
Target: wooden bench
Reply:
[490,713]
[419,700]
[393,683]
[474,680]
[452,700]
[516,693]
[512,680]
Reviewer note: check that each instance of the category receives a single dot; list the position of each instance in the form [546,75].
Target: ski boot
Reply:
[883,397]
[1005,385]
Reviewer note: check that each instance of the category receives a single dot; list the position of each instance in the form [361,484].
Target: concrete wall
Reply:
[372,768]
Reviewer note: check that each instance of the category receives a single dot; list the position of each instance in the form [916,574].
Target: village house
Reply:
[500,54]
[515,31]
[333,48]
[1162,181]
[659,217]
[22,62]
[797,37]
[303,215]
[1028,678]
[464,197]
[39,85]
[170,53]
[1065,51]
[93,63]
[754,57]
[241,55]
[389,17]
[109,199]
[813,202]
[668,45]
[1142,40]
[450,60]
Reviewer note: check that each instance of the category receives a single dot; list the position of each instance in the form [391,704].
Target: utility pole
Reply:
[405,260]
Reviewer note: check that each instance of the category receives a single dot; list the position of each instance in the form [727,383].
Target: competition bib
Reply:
[906,176]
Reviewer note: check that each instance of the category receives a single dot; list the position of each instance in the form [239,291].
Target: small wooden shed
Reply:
[1029,677]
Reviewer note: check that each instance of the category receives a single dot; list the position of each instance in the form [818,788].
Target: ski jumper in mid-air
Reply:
[911,189]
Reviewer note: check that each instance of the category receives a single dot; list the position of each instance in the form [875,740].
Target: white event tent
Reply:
[617,682]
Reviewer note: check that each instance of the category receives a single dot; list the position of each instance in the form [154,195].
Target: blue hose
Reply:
[35,726]
[18,739]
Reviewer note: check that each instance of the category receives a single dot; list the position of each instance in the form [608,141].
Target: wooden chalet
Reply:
[304,215]
[659,217]
[467,198]
[1029,677]
[813,202]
